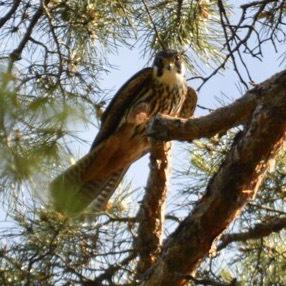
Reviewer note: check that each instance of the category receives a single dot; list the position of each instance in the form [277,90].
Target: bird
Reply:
[121,139]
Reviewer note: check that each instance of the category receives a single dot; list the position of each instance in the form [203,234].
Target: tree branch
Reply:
[209,282]
[16,54]
[168,128]
[258,231]
[151,215]
[256,3]
[152,212]
[8,15]
[236,182]
[107,275]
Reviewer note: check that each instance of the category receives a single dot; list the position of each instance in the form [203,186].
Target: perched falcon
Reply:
[121,139]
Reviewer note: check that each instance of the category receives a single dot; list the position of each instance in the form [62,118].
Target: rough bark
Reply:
[151,214]
[152,211]
[236,182]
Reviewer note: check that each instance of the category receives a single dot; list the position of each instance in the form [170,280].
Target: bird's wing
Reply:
[122,99]
[189,104]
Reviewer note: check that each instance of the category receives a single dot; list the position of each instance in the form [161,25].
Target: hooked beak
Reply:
[170,66]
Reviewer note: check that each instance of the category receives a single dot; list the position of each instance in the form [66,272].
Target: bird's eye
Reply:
[158,62]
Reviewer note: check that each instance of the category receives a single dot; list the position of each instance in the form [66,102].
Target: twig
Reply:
[209,282]
[16,54]
[107,275]
[179,11]
[256,3]
[154,26]
[258,231]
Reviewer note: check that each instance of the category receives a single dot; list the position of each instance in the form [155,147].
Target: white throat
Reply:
[170,77]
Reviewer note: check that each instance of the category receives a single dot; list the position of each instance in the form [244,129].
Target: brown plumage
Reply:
[121,139]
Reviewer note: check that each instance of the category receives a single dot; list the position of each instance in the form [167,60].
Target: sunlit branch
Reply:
[168,128]
[236,182]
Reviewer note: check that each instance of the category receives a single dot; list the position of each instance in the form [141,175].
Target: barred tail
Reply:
[71,196]
[102,191]
[95,176]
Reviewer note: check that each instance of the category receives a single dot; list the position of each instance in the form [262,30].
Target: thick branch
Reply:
[258,231]
[152,212]
[236,182]
[169,128]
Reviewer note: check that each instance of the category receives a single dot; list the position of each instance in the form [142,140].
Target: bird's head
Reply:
[168,65]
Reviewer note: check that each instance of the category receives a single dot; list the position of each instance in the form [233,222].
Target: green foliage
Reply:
[184,25]
[42,250]
[48,249]
[31,132]
[94,20]
[263,261]
[203,159]
[191,25]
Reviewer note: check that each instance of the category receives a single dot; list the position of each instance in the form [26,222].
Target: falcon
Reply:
[121,139]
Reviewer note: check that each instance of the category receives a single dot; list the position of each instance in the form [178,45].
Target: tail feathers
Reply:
[71,196]
[105,189]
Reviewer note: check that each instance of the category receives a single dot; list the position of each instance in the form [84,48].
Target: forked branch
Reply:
[236,182]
